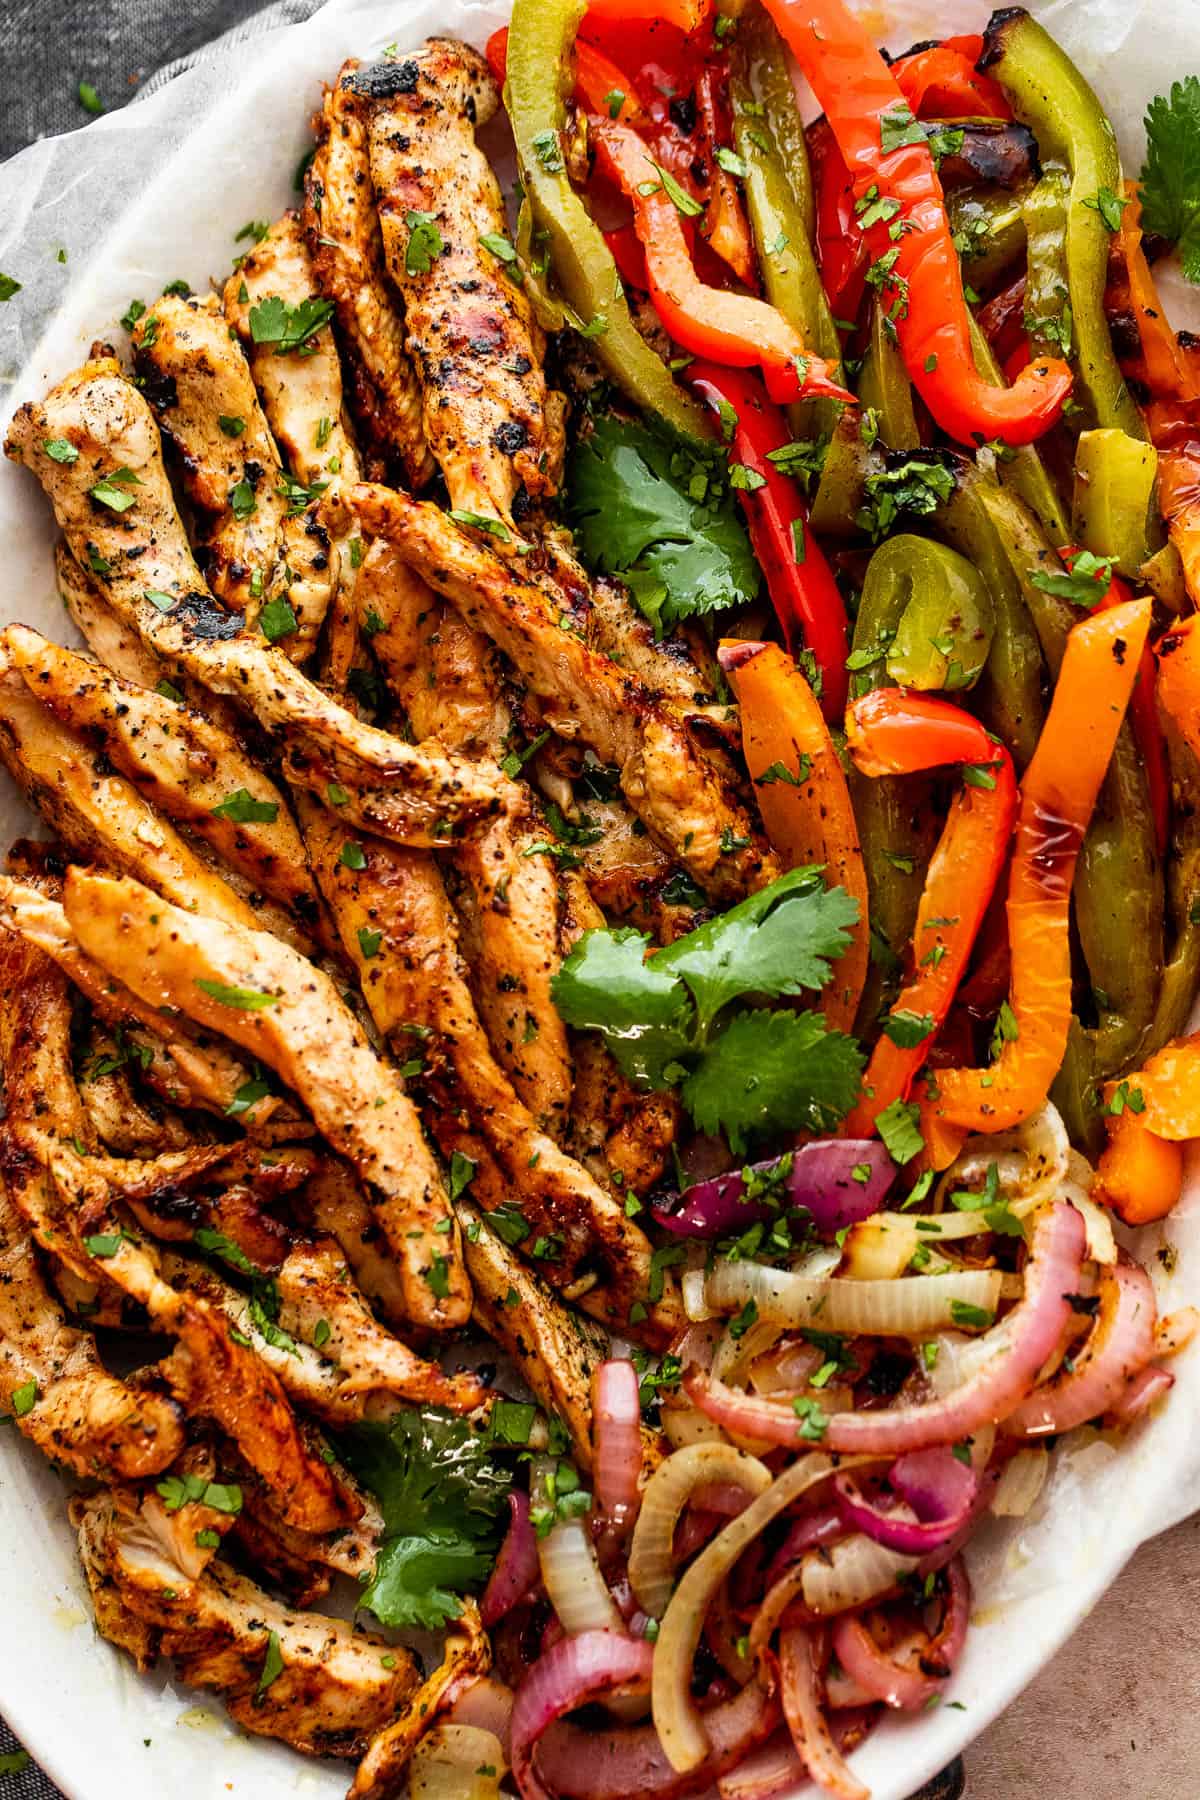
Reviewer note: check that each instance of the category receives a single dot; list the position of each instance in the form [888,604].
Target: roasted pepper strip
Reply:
[1058,794]
[899,187]
[841,247]
[802,792]
[810,610]
[1140,1175]
[1114,510]
[943,83]
[1164,1095]
[768,134]
[725,224]
[1049,94]
[733,329]
[538,81]
[893,733]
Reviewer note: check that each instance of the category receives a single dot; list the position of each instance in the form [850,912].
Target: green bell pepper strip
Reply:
[945,632]
[1048,93]
[537,82]
[1073,1092]
[1023,470]
[1114,510]
[884,386]
[1181,976]
[1118,892]
[841,489]
[768,134]
[1049,316]
[1010,690]
[898,824]
[989,232]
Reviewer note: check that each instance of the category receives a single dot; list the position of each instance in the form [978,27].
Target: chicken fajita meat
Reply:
[489,419]
[341,227]
[142,552]
[267,998]
[669,784]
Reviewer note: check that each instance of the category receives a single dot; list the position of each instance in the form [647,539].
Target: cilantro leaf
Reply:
[1087,583]
[779,941]
[773,1071]
[1171,173]
[606,985]
[661,517]
[441,1496]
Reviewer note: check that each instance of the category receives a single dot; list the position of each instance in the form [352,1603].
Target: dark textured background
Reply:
[49,47]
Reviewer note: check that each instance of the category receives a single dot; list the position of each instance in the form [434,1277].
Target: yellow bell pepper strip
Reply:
[890,732]
[1058,793]
[734,329]
[538,80]
[1178,686]
[1139,1175]
[802,793]
[901,210]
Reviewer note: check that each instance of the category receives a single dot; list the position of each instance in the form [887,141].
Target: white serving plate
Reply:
[101,1731]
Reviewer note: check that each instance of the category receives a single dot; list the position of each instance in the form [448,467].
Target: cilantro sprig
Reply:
[691,1016]
[1171,172]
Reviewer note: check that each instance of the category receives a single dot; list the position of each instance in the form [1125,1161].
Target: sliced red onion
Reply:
[1021,1344]
[821,1180]
[1141,1394]
[808,1532]
[617,1468]
[1119,1346]
[723,1497]
[775,1769]
[632,1765]
[938,1488]
[516,1568]
[876,1673]
[942,1654]
[575,1671]
[487,1702]
[807,1722]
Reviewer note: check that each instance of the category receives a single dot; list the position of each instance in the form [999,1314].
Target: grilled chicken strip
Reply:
[198,382]
[91,1516]
[334,1202]
[193,771]
[466,1655]
[121,1118]
[98,815]
[187,1067]
[335,1687]
[110,641]
[301,391]
[494,429]
[671,787]
[398,927]
[274,1003]
[54,1385]
[449,679]
[342,231]
[415,791]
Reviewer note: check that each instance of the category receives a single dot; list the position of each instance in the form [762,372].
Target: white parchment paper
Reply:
[159,191]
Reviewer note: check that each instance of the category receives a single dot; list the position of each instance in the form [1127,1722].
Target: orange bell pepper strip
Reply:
[1167,372]
[915,262]
[1139,1175]
[1058,795]
[943,83]
[1178,688]
[734,329]
[1164,1095]
[1143,713]
[802,793]
[890,732]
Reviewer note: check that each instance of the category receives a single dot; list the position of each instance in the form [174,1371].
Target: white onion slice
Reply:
[571,1575]
[677,1719]
[910,1308]
[849,1574]
[651,1566]
[1022,1481]
[685,1424]
[449,1764]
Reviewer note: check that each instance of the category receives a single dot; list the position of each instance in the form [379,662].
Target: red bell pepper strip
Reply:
[734,329]
[1143,714]
[1058,795]
[596,78]
[686,14]
[942,83]
[726,225]
[890,732]
[810,610]
[841,247]
[909,236]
